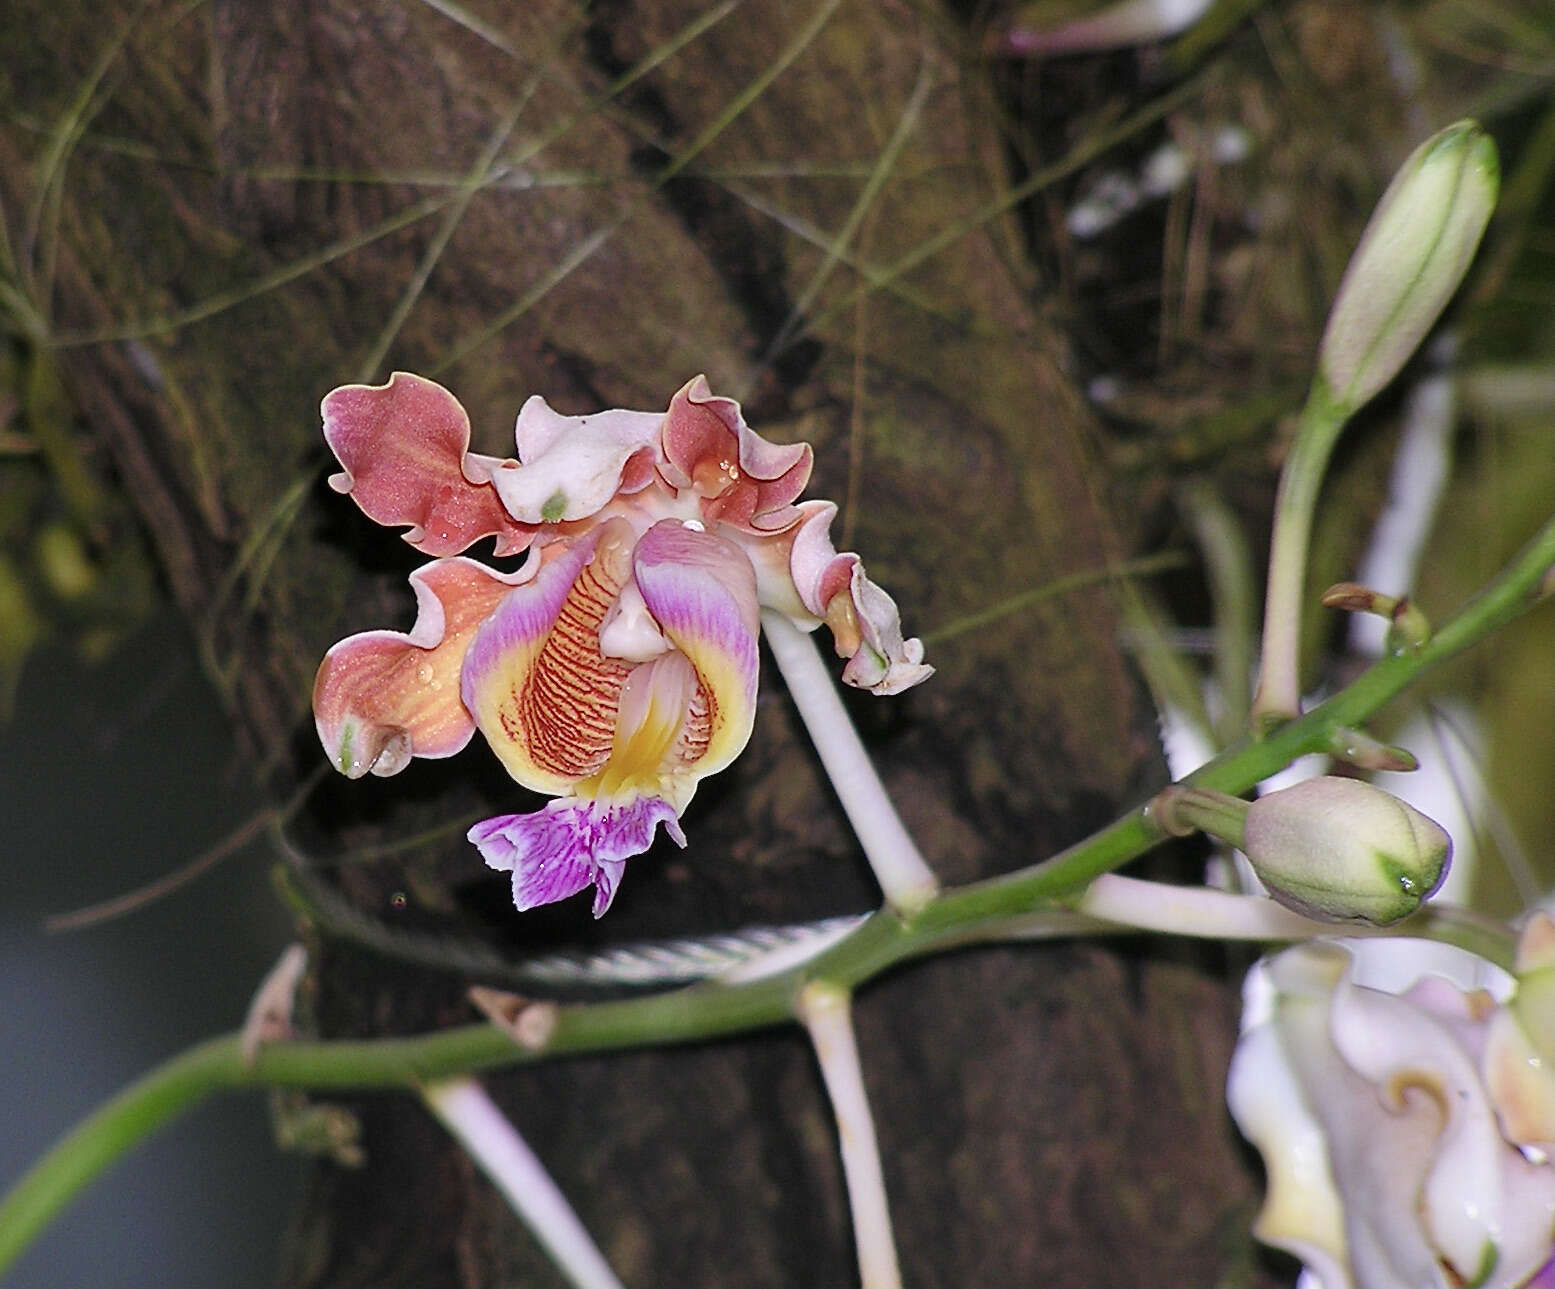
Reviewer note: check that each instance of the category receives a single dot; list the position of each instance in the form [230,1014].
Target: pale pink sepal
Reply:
[382,697]
[572,844]
[569,467]
[405,449]
[742,480]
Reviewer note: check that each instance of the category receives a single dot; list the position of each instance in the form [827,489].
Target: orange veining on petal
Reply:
[697,732]
[566,714]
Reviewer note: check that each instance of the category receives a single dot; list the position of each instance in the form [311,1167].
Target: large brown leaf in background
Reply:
[469,193]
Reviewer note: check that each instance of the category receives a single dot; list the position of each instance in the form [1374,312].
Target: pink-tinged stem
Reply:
[463,1107]
[826,1013]
[903,875]
[1194,910]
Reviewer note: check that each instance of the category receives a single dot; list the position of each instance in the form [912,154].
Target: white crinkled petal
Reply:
[1484,1203]
[1394,963]
[1378,1156]
[886,662]
[1415,1060]
[570,466]
[801,573]
[1301,1212]
[1413,1146]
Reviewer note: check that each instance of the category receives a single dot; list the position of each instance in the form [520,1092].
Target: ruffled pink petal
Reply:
[571,844]
[534,678]
[799,572]
[382,697]
[701,590]
[743,480]
[405,449]
[570,466]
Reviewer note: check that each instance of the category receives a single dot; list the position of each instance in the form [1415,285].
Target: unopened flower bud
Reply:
[1341,850]
[1410,260]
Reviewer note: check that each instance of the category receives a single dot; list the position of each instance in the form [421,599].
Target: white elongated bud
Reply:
[1344,851]
[1410,260]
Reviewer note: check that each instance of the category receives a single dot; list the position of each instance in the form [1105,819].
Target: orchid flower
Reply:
[618,666]
[1408,1124]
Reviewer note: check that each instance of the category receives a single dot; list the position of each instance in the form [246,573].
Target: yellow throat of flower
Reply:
[655,701]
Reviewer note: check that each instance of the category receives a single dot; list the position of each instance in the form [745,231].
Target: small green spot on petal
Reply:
[1489,1256]
[347,742]
[554,508]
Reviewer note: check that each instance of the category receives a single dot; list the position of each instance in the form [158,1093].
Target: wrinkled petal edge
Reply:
[572,844]
[404,446]
[382,697]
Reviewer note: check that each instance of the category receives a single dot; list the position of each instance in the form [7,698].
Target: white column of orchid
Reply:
[826,1012]
[905,878]
[463,1106]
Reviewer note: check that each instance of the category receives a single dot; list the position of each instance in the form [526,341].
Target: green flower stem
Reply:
[1229,565]
[1279,676]
[1187,808]
[983,911]
[1239,768]
[124,1121]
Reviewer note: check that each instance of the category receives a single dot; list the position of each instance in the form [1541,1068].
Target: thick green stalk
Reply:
[131,1116]
[714,1008]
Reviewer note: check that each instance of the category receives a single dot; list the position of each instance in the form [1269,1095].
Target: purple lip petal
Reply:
[572,844]
[605,882]
[546,867]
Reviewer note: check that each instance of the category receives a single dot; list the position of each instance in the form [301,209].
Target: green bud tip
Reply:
[1341,850]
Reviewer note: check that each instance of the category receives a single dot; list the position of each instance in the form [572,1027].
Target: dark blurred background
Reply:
[114,774]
